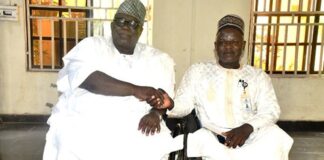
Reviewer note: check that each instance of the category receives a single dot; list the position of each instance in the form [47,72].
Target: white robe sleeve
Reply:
[268,108]
[184,101]
[79,63]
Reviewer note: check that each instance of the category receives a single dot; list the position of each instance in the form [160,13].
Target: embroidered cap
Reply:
[231,20]
[133,8]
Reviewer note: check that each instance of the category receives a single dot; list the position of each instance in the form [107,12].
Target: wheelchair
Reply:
[185,125]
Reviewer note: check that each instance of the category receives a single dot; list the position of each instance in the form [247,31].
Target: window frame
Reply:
[273,27]
[59,39]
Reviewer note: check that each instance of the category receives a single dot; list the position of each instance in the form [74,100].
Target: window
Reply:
[287,37]
[56,26]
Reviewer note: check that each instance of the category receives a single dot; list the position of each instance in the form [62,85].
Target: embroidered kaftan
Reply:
[225,99]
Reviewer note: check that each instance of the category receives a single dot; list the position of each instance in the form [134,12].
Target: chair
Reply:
[185,125]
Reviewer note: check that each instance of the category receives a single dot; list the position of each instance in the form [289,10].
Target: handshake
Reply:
[157,98]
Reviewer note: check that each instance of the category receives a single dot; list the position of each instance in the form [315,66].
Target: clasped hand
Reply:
[157,98]
[238,136]
[149,94]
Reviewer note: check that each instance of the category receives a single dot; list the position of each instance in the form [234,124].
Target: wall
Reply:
[21,92]
[184,28]
[300,98]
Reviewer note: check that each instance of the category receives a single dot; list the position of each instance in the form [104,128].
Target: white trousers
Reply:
[269,143]
[81,140]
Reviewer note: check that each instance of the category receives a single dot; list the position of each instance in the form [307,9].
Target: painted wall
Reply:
[184,28]
[21,92]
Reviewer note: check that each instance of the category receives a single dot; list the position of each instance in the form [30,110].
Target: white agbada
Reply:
[221,103]
[88,126]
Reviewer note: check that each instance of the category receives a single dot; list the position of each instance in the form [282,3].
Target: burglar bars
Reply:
[287,42]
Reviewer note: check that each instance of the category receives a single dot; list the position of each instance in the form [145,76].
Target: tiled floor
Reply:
[26,142]
[22,142]
[307,146]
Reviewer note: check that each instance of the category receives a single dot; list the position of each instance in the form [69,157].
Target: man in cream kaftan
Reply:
[107,86]
[233,100]
[217,94]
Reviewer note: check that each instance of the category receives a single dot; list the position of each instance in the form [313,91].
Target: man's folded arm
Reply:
[101,83]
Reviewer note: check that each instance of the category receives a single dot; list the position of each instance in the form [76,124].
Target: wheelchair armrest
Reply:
[185,125]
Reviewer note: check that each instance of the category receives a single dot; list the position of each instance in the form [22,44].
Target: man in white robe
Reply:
[233,101]
[108,86]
